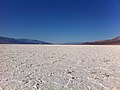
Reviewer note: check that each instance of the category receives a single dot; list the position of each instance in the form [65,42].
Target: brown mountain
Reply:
[114,41]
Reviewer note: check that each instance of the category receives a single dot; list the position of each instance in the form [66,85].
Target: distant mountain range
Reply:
[114,41]
[7,40]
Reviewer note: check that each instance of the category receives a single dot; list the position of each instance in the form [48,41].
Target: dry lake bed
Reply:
[59,67]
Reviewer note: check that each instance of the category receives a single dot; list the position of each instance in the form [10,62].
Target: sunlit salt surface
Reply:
[59,67]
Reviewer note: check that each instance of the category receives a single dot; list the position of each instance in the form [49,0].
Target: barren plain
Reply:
[59,67]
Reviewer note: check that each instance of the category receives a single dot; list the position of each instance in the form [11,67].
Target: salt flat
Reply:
[59,67]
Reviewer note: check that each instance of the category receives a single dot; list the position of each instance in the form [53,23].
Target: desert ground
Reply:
[59,67]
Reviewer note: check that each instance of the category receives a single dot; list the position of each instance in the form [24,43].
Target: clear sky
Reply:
[60,20]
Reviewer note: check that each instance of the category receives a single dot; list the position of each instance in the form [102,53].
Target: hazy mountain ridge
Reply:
[114,41]
[7,40]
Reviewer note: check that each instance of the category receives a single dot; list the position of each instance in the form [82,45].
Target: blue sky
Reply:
[60,20]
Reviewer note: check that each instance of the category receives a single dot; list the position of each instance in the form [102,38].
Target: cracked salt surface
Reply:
[59,67]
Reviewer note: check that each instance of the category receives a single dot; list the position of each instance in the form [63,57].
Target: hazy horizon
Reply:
[60,21]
